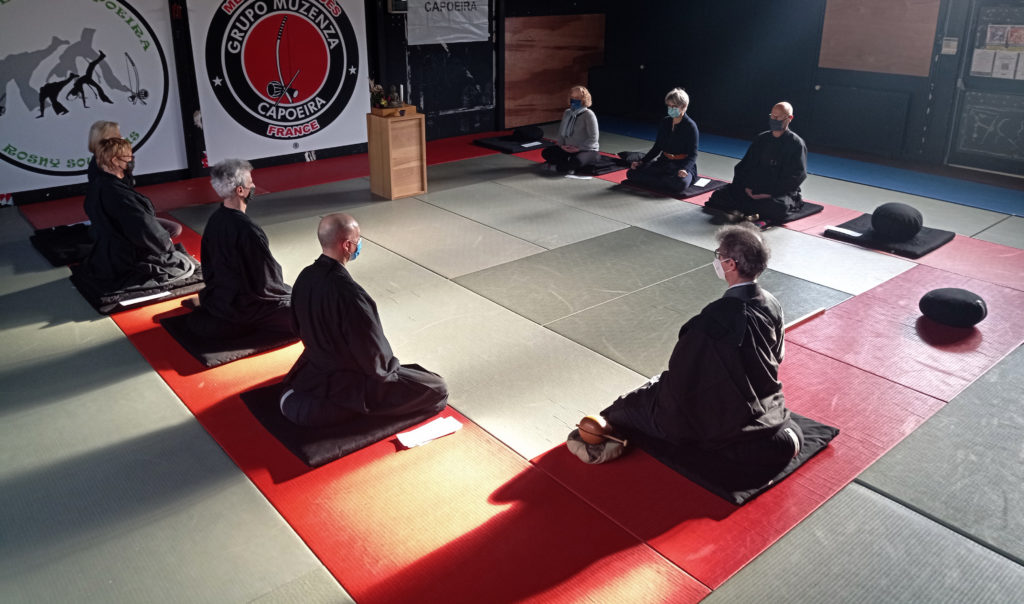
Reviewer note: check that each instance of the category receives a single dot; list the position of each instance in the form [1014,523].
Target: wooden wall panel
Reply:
[881,36]
[544,57]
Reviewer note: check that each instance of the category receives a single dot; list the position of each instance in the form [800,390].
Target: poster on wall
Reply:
[62,70]
[435,22]
[279,76]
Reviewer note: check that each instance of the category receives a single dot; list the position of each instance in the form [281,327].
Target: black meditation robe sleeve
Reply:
[722,383]
[345,346]
[244,283]
[130,248]
[773,165]
[681,140]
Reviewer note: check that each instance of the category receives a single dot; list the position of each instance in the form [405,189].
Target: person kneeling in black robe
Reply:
[720,401]
[671,164]
[347,368]
[245,290]
[767,180]
[131,250]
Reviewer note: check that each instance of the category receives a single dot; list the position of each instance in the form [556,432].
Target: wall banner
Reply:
[444,22]
[61,70]
[280,76]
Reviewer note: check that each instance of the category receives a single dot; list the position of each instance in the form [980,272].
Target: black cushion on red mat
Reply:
[317,446]
[212,352]
[512,144]
[896,222]
[694,463]
[926,240]
[107,303]
[63,245]
[954,307]
[692,191]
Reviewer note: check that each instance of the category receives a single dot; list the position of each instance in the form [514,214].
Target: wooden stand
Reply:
[398,152]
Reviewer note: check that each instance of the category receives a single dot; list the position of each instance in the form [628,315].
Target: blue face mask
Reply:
[674,112]
[359,248]
[776,125]
[575,103]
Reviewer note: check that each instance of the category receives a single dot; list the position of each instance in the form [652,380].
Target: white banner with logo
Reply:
[66,65]
[444,22]
[280,76]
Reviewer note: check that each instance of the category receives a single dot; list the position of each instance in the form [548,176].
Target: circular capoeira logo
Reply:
[284,69]
[98,61]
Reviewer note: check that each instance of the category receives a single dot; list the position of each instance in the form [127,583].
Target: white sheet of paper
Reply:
[1005,64]
[576,177]
[847,232]
[131,301]
[701,182]
[533,144]
[441,426]
[982,61]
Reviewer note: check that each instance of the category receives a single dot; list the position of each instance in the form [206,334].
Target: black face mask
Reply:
[128,169]
[248,198]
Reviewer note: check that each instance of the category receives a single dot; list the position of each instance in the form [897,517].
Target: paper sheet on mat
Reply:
[441,426]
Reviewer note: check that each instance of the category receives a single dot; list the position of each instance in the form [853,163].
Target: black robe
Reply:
[721,387]
[347,362]
[776,166]
[659,172]
[131,250]
[243,280]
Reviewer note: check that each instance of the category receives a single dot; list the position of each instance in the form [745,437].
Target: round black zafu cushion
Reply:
[896,222]
[954,307]
[528,134]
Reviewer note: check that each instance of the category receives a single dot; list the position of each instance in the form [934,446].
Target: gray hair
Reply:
[678,96]
[747,248]
[227,175]
[101,130]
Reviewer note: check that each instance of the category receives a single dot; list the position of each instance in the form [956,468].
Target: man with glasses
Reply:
[245,290]
[720,402]
[347,368]
[766,182]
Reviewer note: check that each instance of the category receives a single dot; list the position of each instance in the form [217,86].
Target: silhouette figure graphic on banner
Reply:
[83,49]
[78,89]
[51,91]
[19,67]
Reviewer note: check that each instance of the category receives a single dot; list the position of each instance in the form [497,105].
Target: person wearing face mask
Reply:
[720,397]
[347,368]
[767,180]
[245,290]
[577,135]
[671,164]
[131,250]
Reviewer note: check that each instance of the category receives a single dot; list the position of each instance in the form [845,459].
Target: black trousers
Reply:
[661,175]
[733,197]
[565,161]
[416,390]
[203,323]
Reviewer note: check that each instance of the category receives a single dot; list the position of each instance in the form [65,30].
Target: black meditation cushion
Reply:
[896,221]
[526,134]
[954,307]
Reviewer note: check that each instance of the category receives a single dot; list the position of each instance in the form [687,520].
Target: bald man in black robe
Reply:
[720,399]
[347,368]
[766,182]
[245,291]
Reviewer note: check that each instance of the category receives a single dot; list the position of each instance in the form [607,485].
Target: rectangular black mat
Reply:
[510,144]
[688,462]
[63,245]
[317,446]
[212,352]
[107,303]
[807,209]
[927,239]
[604,165]
[692,191]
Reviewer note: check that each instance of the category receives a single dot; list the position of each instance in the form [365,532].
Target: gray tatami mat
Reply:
[566,280]
[965,465]
[640,330]
[441,177]
[538,220]
[862,547]
[1009,231]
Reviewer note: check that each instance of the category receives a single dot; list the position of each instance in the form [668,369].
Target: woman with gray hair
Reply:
[577,135]
[671,164]
[245,291]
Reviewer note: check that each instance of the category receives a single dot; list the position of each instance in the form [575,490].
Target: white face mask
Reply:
[718,268]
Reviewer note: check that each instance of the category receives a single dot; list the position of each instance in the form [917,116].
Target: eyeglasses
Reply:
[780,117]
[719,255]
[125,157]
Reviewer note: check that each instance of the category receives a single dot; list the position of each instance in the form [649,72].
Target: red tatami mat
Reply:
[981,260]
[712,539]
[882,331]
[462,519]
[455,148]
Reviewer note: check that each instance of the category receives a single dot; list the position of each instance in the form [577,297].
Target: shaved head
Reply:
[335,229]
[783,107]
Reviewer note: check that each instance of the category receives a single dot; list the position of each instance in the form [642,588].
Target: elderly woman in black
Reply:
[671,164]
[132,250]
[577,135]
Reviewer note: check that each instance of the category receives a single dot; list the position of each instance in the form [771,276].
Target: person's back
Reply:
[244,283]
